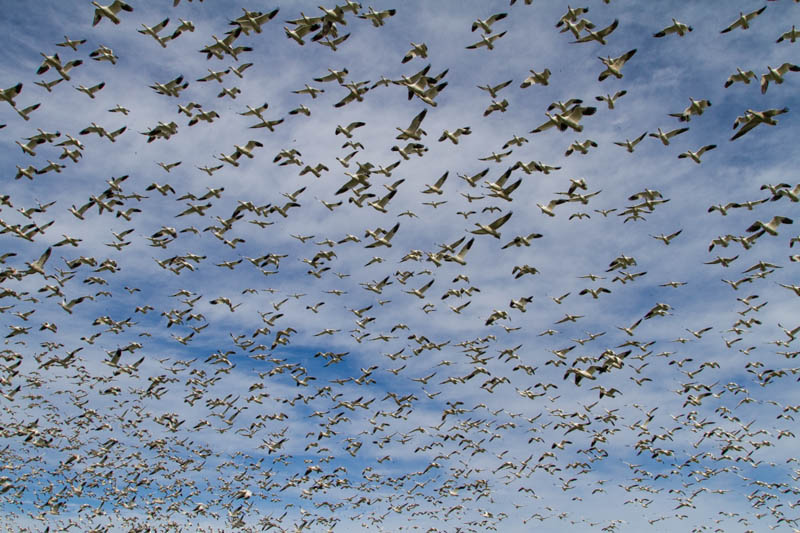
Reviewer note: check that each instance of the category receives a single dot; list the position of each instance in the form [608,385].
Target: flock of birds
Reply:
[285,377]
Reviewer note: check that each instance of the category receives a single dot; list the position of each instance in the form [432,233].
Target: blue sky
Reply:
[390,434]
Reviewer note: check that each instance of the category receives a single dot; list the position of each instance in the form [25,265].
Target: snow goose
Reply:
[664,137]
[599,35]
[153,32]
[9,94]
[74,44]
[752,118]
[110,11]
[453,136]
[491,229]
[417,50]
[776,75]
[695,156]
[90,91]
[377,17]
[581,147]
[536,77]
[696,107]
[493,90]
[741,76]
[630,145]
[487,41]
[486,24]
[608,99]
[770,227]
[614,65]
[676,27]
[792,35]
[744,20]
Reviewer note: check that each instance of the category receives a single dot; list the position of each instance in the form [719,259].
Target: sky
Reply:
[245,350]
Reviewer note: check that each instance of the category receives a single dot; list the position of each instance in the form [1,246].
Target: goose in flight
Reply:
[696,107]
[9,94]
[522,240]
[665,137]
[613,66]
[630,145]
[487,41]
[610,100]
[420,293]
[48,85]
[536,77]
[110,11]
[253,20]
[103,53]
[549,208]
[568,119]
[676,27]
[348,130]
[459,257]
[486,24]
[752,118]
[453,136]
[776,75]
[413,131]
[599,35]
[792,35]
[417,50]
[171,88]
[153,32]
[491,229]
[770,227]
[582,147]
[436,188]
[313,91]
[741,76]
[90,91]
[335,75]
[695,156]
[70,43]
[384,240]
[667,238]
[744,20]
[494,89]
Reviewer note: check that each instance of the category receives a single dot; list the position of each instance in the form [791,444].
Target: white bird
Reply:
[792,35]
[610,100]
[613,66]
[741,76]
[664,137]
[776,75]
[90,91]
[486,24]
[695,156]
[541,78]
[676,27]
[487,41]
[696,107]
[744,20]
[752,118]
[630,145]
[110,11]
[491,229]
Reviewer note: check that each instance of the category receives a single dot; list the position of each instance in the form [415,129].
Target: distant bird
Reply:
[613,66]
[776,75]
[740,76]
[665,137]
[695,156]
[744,20]
[676,27]
[110,11]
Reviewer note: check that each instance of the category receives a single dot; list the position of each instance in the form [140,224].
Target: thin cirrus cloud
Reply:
[237,351]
